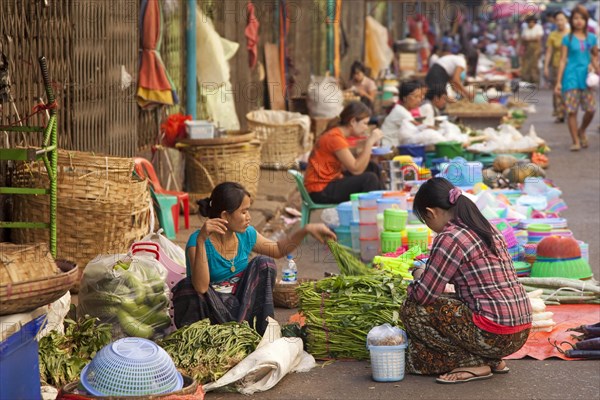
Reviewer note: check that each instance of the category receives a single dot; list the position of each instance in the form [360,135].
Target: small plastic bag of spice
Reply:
[386,335]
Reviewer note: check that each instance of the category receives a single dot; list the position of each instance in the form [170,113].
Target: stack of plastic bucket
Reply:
[394,222]
[343,232]
[367,213]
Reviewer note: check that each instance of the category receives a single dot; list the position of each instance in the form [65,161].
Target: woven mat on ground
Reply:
[566,316]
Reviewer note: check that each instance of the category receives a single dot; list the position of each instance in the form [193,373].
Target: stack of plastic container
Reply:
[394,222]
[343,231]
[367,216]
[418,235]
[537,232]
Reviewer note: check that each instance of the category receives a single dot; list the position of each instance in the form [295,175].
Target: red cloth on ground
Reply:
[566,316]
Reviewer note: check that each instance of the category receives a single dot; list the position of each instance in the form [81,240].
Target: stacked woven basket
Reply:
[101,208]
[29,278]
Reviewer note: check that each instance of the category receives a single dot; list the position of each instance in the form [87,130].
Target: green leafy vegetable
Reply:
[206,352]
[347,262]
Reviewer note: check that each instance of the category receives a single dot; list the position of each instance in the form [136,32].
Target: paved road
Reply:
[578,175]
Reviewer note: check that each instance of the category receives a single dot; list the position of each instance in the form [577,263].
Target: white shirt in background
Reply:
[452,61]
[532,33]
[392,123]
[433,59]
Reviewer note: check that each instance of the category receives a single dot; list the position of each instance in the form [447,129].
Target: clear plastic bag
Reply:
[386,335]
[128,292]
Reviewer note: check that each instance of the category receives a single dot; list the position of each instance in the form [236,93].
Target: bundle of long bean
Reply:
[347,262]
[206,352]
[563,290]
[341,310]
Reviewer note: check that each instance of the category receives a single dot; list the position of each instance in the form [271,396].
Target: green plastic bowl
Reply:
[394,220]
[576,268]
[539,227]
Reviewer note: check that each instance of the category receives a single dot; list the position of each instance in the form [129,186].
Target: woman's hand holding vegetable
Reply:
[320,232]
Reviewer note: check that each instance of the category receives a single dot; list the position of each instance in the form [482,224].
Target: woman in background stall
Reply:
[333,172]
[552,62]
[411,97]
[531,40]
[362,85]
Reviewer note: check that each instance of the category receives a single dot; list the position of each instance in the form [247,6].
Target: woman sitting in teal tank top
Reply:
[222,283]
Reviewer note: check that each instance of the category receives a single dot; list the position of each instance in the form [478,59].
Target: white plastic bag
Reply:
[174,252]
[129,292]
[274,358]
[325,98]
[386,335]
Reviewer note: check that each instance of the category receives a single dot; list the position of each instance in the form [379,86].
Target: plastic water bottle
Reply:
[290,272]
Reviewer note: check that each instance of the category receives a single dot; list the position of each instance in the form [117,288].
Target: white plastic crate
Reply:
[200,129]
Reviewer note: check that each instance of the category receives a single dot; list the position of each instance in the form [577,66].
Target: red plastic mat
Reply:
[566,316]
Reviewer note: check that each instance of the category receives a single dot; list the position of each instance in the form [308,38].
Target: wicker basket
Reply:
[281,143]
[101,207]
[29,295]
[284,294]
[20,263]
[210,162]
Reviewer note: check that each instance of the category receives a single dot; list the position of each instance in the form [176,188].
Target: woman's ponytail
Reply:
[204,206]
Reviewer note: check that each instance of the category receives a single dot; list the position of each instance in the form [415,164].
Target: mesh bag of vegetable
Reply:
[129,292]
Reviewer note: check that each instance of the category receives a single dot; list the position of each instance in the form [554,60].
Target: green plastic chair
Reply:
[308,205]
[163,204]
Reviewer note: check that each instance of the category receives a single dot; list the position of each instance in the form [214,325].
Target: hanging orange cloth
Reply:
[251,33]
[154,86]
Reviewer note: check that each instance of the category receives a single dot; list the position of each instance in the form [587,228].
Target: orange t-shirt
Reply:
[323,165]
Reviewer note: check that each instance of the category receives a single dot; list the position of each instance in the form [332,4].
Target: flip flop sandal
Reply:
[584,142]
[504,370]
[575,147]
[475,377]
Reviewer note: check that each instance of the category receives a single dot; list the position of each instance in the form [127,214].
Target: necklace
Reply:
[225,251]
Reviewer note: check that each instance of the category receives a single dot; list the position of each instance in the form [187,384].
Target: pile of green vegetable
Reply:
[129,295]
[341,310]
[347,262]
[63,356]
[206,352]
[564,290]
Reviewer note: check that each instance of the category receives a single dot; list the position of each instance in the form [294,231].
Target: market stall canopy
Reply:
[155,87]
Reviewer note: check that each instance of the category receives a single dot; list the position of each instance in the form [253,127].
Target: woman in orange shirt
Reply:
[333,173]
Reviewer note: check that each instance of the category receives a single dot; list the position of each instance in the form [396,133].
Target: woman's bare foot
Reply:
[466,374]
[583,139]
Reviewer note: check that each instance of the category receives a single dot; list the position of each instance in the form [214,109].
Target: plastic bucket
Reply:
[344,235]
[390,241]
[413,150]
[394,220]
[369,248]
[368,230]
[355,204]
[418,236]
[367,214]
[355,234]
[449,149]
[345,213]
[19,363]
[387,363]
[368,200]
[389,202]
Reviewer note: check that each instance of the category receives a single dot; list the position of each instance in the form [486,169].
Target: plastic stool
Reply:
[167,209]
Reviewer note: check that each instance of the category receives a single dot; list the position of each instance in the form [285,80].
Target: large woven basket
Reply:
[284,294]
[29,295]
[20,263]
[210,162]
[281,143]
[101,208]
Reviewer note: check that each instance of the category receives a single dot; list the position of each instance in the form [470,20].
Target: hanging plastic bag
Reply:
[325,98]
[128,292]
